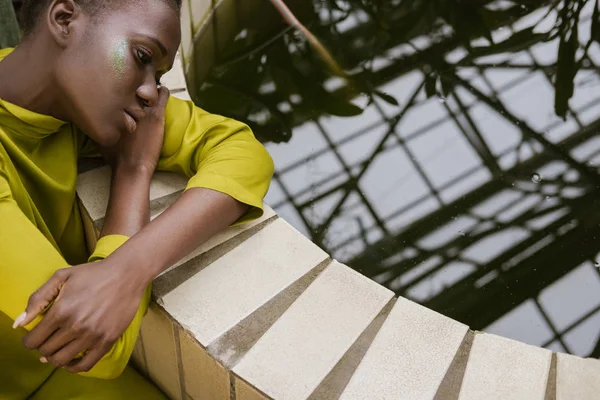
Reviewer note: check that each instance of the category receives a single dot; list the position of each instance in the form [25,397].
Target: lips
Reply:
[130,123]
[133,117]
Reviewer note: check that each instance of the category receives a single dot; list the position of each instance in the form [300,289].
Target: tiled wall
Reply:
[260,312]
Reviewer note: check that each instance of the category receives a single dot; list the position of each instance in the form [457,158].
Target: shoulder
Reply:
[180,114]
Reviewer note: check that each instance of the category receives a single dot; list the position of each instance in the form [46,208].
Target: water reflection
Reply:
[456,162]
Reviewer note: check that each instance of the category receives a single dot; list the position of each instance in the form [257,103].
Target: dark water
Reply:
[457,163]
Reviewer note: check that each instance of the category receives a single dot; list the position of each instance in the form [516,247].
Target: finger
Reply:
[42,298]
[88,361]
[40,334]
[56,342]
[68,354]
[163,97]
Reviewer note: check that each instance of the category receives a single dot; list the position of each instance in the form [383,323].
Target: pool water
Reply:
[455,161]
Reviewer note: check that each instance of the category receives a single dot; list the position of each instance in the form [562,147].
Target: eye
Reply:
[144,57]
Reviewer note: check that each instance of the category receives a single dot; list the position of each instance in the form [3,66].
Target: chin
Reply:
[107,137]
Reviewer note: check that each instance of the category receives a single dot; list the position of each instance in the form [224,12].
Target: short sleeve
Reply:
[216,153]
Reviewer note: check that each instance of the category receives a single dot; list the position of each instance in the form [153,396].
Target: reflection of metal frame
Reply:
[517,274]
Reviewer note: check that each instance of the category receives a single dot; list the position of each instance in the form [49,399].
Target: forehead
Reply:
[153,19]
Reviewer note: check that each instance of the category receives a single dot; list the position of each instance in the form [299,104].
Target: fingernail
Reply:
[19,319]
[43,360]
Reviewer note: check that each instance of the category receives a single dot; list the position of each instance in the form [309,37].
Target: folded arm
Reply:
[229,173]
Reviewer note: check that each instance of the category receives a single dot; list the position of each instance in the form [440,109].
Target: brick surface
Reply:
[577,378]
[243,391]
[161,354]
[304,345]
[204,378]
[222,294]
[409,357]
[500,368]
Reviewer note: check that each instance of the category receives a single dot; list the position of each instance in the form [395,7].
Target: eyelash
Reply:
[145,59]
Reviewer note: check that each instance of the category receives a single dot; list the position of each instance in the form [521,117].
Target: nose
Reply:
[147,93]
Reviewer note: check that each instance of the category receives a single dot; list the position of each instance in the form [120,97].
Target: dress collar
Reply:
[38,125]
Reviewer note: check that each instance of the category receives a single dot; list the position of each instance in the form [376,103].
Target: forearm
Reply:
[129,204]
[196,216]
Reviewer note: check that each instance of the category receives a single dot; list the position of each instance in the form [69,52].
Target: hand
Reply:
[90,306]
[142,148]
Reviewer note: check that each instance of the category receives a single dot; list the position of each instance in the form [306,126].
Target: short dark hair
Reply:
[32,9]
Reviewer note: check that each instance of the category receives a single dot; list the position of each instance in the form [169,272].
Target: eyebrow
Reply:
[157,42]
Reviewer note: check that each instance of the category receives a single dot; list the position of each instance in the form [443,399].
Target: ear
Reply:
[61,18]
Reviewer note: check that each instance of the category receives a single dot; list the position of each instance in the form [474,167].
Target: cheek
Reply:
[118,60]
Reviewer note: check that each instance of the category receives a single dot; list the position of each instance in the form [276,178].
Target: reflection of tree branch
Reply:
[255,49]
[497,105]
[508,65]
[463,243]
[257,100]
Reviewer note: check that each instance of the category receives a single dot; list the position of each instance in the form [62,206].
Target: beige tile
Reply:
[409,357]
[221,295]
[226,235]
[336,381]
[161,354]
[204,378]
[185,95]
[201,10]
[93,188]
[243,391]
[305,344]
[577,378]
[500,368]
[231,347]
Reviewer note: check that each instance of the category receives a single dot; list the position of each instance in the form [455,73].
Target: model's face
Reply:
[110,73]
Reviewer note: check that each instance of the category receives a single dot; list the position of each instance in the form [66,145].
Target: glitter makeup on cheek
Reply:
[117,56]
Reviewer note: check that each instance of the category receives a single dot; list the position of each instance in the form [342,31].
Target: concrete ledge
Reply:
[260,312]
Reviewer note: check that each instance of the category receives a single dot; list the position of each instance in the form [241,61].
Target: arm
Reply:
[29,260]
[128,211]
[229,175]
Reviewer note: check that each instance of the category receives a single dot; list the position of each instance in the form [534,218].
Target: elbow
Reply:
[265,162]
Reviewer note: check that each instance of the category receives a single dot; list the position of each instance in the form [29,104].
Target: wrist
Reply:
[130,270]
[124,170]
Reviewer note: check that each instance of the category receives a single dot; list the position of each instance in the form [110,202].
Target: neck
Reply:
[27,79]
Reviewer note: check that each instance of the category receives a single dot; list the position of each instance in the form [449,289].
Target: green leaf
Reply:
[501,17]
[565,74]
[447,87]
[467,22]
[283,81]
[519,41]
[340,107]
[430,84]
[596,23]
[386,97]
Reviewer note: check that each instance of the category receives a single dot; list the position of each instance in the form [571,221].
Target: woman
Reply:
[84,80]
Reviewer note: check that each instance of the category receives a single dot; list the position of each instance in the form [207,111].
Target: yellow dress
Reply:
[41,229]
